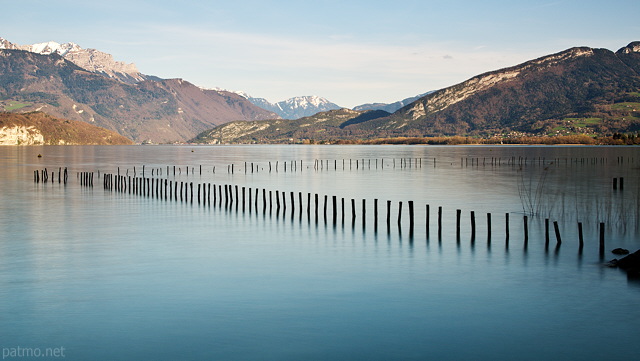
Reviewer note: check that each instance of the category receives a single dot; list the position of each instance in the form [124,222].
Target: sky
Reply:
[350,52]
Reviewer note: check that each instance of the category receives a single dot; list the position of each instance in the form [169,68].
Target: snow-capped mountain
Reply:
[293,108]
[90,59]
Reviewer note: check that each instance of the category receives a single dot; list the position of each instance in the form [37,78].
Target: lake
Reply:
[107,274]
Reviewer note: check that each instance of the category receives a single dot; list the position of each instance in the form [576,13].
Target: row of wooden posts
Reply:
[85,178]
[244,198]
[43,176]
[402,163]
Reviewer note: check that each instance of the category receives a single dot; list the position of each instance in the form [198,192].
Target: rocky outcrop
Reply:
[38,128]
[630,263]
[20,135]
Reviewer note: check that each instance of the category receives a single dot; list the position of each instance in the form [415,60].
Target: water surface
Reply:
[115,276]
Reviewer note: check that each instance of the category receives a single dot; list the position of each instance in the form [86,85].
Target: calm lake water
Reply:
[111,275]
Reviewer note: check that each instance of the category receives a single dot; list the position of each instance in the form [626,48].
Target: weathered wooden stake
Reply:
[601,239]
[458,216]
[316,206]
[546,233]
[427,216]
[375,214]
[506,230]
[411,224]
[335,213]
[353,212]
[473,225]
[526,231]
[580,235]
[243,199]
[557,230]
[364,212]
[439,221]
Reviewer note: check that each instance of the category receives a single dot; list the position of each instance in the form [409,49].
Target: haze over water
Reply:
[116,276]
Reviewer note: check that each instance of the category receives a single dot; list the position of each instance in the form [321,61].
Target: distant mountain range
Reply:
[580,90]
[112,95]
[305,106]
[297,107]
[391,108]
[38,128]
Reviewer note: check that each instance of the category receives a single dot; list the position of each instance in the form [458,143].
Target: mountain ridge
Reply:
[90,59]
[157,111]
[577,91]
[295,107]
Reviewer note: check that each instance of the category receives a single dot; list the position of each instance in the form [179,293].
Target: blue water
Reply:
[115,276]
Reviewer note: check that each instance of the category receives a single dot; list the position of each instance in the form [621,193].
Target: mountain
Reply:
[89,59]
[296,107]
[38,128]
[577,91]
[580,90]
[392,107]
[157,111]
[327,124]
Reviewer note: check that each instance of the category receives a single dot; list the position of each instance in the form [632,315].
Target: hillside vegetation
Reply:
[37,128]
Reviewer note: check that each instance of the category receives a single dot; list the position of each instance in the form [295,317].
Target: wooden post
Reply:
[284,200]
[316,207]
[375,213]
[353,212]
[526,231]
[399,214]
[411,218]
[439,221]
[325,209]
[458,214]
[237,198]
[335,214]
[293,206]
[427,220]
[601,239]
[364,213]
[473,225]
[580,236]
[546,233]
[264,201]
[388,215]
[506,230]
[557,230]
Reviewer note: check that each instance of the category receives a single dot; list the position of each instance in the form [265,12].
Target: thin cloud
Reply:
[224,58]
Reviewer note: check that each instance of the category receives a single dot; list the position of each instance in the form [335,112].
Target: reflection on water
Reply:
[306,264]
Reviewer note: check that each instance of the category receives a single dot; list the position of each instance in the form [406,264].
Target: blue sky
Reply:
[351,52]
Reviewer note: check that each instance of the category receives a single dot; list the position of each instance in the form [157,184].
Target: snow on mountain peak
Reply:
[89,59]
